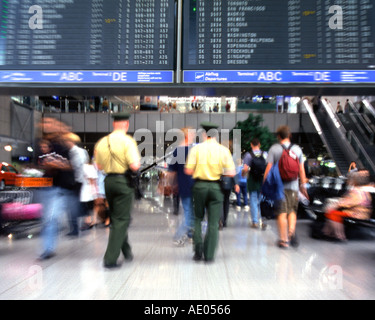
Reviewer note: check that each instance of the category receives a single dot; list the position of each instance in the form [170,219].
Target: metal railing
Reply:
[362,126]
[360,151]
[318,128]
[369,107]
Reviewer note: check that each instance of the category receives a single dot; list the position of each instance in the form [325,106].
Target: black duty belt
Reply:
[211,181]
[115,174]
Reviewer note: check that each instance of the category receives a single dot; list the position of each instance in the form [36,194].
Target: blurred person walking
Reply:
[242,190]
[185,185]
[228,184]
[61,197]
[89,193]
[101,210]
[289,158]
[78,158]
[254,167]
[118,156]
[207,162]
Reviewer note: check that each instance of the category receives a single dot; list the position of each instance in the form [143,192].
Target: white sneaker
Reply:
[180,242]
[238,208]
[247,208]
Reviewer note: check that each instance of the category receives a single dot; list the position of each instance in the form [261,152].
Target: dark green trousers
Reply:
[120,199]
[207,197]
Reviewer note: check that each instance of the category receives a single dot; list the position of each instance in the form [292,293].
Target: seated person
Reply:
[356,203]
[353,167]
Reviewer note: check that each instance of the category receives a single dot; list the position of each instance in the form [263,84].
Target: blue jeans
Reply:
[56,201]
[243,191]
[255,206]
[187,224]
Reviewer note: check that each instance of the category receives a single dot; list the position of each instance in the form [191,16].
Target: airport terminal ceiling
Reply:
[192,47]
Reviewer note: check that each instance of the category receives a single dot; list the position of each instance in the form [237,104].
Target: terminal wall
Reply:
[5,127]
[102,122]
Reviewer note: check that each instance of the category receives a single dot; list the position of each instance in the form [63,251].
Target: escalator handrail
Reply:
[319,129]
[351,135]
[369,107]
[333,116]
[341,129]
[369,133]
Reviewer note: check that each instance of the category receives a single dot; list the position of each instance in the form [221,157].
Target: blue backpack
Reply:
[273,187]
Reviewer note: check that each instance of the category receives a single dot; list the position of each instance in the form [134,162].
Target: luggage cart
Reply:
[19,215]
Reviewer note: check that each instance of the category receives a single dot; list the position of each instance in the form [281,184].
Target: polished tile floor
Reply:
[248,265]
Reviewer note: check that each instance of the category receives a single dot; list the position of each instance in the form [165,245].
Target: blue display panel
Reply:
[86,76]
[270,40]
[279,76]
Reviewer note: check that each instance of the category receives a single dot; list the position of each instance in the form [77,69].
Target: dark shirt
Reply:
[61,178]
[185,182]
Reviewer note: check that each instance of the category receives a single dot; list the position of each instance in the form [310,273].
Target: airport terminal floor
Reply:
[248,265]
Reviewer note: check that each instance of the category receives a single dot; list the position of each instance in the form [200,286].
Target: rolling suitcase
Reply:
[17,211]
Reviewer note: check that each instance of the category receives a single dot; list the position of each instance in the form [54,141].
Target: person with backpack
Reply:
[254,166]
[242,187]
[289,159]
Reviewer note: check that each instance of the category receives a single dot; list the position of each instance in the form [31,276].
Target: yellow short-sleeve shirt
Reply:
[209,160]
[123,147]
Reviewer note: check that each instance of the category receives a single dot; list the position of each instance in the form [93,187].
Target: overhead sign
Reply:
[86,76]
[279,76]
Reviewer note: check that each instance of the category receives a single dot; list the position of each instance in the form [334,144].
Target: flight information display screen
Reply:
[279,41]
[87,40]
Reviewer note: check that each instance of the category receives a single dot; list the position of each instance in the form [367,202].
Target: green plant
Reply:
[252,128]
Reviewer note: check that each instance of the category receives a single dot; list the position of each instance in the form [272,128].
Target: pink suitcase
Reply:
[18,211]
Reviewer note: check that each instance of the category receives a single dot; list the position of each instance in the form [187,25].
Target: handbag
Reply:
[226,183]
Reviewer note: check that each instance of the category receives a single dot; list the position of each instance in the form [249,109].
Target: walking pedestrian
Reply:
[291,165]
[254,166]
[118,156]
[61,197]
[207,162]
[185,185]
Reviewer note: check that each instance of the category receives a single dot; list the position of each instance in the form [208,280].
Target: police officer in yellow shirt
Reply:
[207,162]
[115,154]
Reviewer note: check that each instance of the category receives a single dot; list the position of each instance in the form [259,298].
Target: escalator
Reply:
[335,148]
[332,136]
[354,121]
[346,136]
[355,124]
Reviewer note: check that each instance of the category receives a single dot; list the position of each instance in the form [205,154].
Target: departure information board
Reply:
[87,40]
[279,41]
